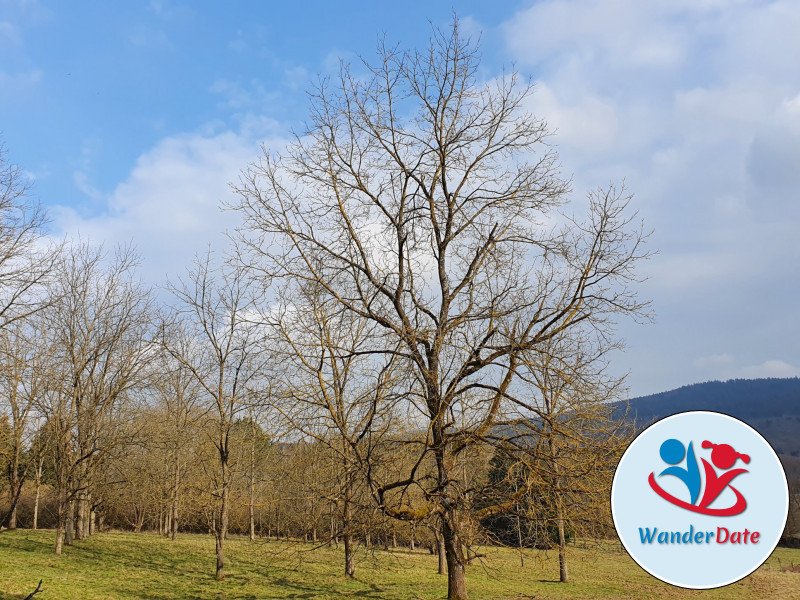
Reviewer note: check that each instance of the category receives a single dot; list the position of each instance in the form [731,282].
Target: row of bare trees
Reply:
[407,305]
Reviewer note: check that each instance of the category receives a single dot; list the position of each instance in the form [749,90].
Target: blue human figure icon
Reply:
[672,453]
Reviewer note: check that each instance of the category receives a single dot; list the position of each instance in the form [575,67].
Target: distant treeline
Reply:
[741,398]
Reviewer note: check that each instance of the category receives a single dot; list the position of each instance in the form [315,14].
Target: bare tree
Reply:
[177,392]
[99,326]
[25,261]
[557,446]
[424,200]
[335,389]
[23,372]
[216,307]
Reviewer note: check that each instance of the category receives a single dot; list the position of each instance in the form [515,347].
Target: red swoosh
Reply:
[737,508]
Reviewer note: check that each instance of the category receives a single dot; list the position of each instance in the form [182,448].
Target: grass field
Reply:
[122,566]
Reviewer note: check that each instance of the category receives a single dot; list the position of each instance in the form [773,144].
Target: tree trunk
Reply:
[36,507]
[12,519]
[563,576]
[562,550]
[59,537]
[222,530]
[88,529]
[441,552]
[13,491]
[349,556]
[252,485]
[39,467]
[137,526]
[456,575]
[61,516]
[80,514]
[174,520]
[174,504]
[69,534]
[347,523]
[252,512]
[453,547]
[220,555]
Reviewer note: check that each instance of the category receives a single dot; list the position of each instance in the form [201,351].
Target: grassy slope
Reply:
[122,566]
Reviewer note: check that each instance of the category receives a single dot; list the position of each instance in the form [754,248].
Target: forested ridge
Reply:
[770,405]
[740,398]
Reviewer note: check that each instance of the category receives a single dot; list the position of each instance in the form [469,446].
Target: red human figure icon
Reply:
[724,457]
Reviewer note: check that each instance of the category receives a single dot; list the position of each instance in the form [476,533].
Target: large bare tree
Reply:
[425,200]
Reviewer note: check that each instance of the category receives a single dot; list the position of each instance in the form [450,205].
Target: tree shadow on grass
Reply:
[7,596]
[131,570]
[296,589]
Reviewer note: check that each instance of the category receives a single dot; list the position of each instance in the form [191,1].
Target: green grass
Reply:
[122,566]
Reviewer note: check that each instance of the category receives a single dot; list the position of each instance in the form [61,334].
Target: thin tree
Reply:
[225,357]
[336,391]
[24,364]
[424,200]
[557,446]
[177,393]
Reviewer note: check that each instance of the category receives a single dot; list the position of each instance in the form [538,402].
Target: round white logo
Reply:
[699,499]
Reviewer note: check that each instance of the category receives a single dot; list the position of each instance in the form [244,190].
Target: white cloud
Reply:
[589,125]
[714,360]
[627,34]
[769,368]
[697,104]
[169,205]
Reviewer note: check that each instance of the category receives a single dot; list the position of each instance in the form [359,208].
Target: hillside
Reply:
[771,406]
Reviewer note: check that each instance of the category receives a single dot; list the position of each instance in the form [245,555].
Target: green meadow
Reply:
[122,566]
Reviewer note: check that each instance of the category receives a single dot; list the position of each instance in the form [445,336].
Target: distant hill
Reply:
[771,406]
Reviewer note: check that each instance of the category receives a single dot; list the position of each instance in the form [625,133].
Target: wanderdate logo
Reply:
[699,499]
[723,457]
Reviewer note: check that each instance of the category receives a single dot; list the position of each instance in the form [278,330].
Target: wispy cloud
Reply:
[82,183]
[15,83]
[9,34]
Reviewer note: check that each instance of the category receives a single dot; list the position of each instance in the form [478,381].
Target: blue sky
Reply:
[132,117]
